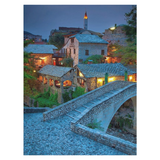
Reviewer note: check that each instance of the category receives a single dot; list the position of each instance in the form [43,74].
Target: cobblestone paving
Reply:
[54,137]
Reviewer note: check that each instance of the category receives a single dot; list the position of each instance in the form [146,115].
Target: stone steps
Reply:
[73,114]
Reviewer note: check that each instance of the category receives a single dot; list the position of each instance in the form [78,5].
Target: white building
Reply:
[80,46]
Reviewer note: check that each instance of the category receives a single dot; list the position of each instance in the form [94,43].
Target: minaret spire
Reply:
[85,21]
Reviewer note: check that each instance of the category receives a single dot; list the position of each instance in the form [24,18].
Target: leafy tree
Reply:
[27,42]
[95,58]
[67,62]
[131,28]
[128,53]
[57,39]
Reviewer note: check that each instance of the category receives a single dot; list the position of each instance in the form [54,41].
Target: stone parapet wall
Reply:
[79,101]
[118,99]
[106,139]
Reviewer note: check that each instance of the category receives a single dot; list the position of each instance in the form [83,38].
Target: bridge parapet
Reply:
[79,101]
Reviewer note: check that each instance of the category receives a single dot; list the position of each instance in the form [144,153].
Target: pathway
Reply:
[54,137]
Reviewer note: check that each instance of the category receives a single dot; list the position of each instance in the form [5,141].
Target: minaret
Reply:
[85,21]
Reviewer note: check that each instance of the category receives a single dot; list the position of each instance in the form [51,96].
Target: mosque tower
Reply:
[85,21]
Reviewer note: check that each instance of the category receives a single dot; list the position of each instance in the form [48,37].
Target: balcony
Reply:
[58,54]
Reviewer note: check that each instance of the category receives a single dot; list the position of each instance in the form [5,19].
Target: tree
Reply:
[27,42]
[67,62]
[128,53]
[131,28]
[57,39]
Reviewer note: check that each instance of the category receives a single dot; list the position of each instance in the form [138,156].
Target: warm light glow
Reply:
[110,79]
[100,80]
[34,70]
[112,28]
[130,78]
[85,17]
[42,57]
[80,74]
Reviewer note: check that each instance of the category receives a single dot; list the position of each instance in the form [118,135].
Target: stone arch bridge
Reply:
[101,104]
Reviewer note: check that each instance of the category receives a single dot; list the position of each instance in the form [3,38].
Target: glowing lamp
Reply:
[85,17]
[112,28]
[34,70]
[130,78]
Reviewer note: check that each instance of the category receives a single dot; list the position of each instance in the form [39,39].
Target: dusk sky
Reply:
[41,19]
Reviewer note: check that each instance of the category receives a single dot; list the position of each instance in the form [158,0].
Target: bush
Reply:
[95,58]
[95,124]
[66,96]
[78,92]
[35,103]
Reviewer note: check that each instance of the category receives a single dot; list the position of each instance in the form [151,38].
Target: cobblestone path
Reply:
[54,137]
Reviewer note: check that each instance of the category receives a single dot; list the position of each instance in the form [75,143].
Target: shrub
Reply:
[95,124]
[35,103]
[78,92]
[95,58]
[66,96]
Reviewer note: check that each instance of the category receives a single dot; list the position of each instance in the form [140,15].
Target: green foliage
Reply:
[67,62]
[124,122]
[95,58]
[46,99]
[78,92]
[95,124]
[27,42]
[57,40]
[35,103]
[132,109]
[66,96]
[127,53]
[131,19]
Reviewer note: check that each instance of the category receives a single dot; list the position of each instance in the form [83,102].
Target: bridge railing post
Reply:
[125,76]
[106,78]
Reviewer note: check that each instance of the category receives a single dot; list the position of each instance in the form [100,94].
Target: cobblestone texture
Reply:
[54,137]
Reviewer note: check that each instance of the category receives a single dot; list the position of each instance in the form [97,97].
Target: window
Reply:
[40,78]
[72,40]
[86,52]
[74,51]
[57,83]
[45,80]
[51,82]
[67,84]
[102,52]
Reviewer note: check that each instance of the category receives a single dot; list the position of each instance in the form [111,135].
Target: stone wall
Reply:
[73,104]
[116,36]
[79,125]
[54,89]
[106,139]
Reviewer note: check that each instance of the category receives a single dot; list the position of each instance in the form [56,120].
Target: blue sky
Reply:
[41,19]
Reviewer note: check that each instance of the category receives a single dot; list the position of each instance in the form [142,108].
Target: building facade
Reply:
[80,46]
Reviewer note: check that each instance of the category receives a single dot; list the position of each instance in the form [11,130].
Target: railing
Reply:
[59,54]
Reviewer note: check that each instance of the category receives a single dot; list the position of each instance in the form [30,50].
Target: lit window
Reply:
[80,74]
[45,80]
[57,83]
[67,84]
[40,78]
[111,79]
[51,82]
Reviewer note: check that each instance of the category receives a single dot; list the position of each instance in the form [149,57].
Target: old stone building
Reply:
[59,79]
[43,54]
[114,35]
[80,46]
[92,76]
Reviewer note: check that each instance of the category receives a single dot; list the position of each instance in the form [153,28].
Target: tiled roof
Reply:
[99,70]
[40,48]
[87,38]
[55,71]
